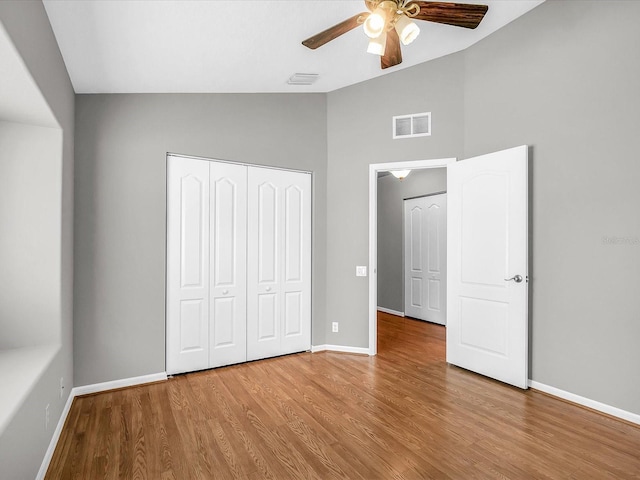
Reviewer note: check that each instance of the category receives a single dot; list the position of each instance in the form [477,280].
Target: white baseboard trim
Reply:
[85,390]
[125,382]
[392,312]
[339,348]
[44,466]
[586,402]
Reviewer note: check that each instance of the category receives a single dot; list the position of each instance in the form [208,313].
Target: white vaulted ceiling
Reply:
[226,46]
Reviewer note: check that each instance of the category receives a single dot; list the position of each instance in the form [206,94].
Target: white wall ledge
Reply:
[20,370]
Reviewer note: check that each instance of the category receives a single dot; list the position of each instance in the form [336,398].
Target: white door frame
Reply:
[374,168]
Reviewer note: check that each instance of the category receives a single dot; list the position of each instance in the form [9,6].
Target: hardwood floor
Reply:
[404,414]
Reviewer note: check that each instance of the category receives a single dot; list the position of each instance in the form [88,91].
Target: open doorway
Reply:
[433,172]
[411,266]
[487,252]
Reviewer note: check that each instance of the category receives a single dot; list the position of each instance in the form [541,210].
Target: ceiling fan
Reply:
[389,22]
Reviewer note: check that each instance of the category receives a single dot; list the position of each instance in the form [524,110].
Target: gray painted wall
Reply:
[121,146]
[564,79]
[25,440]
[30,167]
[391,195]
[359,133]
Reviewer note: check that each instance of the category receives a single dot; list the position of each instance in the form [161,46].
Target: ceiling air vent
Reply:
[414,125]
[303,79]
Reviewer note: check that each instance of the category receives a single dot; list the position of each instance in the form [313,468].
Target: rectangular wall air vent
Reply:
[303,79]
[414,125]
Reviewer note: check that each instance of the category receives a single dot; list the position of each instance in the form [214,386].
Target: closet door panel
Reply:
[264,258]
[296,251]
[292,314]
[279,263]
[228,225]
[187,264]
[267,226]
[224,330]
[267,317]
[293,234]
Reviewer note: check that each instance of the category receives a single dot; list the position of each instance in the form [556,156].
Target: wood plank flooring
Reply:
[404,414]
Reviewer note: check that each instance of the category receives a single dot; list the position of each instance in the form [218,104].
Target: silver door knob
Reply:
[516,278]
[268,289]
[224,292]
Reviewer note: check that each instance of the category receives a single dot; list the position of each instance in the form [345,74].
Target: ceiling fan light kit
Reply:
[377,45]
[389,23]
[388,15]
[375,23]
[407,29]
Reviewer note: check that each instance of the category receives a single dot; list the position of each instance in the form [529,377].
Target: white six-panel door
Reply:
[425,223]
[187,265]
[228,245]
[279,263]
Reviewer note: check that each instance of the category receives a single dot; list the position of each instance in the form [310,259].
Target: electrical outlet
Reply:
[334,327]
[361,271]
[61,386]
[46,417]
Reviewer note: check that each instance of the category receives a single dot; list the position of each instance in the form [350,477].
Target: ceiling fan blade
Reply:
[334,32]
[458,14]
[392,53]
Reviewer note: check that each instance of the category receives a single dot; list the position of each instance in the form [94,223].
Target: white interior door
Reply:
[425,247]
[296,262]
[187,265]
[279,263]
[487,324]
[414,271]
[228,251]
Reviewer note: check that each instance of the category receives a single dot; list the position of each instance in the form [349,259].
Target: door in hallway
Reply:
[425,256]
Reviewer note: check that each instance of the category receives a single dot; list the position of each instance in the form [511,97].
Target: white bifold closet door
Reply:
[228,264]
[279,263]
[238,243]
[425,257]
[187,265]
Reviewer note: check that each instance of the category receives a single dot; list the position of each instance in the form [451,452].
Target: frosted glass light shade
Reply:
[377,45]
[400,174]
[407,29]
[374,24]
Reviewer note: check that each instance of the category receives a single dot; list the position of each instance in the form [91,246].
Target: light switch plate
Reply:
[361,271]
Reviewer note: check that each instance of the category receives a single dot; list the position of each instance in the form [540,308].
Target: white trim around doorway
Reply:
[373,232]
